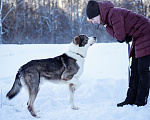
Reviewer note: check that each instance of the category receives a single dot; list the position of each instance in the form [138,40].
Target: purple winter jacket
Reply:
[121,21]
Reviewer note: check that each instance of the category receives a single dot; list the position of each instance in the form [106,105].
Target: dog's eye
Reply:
[86,41]
[86,38]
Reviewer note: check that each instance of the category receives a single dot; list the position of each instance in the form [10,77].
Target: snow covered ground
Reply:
[104,84]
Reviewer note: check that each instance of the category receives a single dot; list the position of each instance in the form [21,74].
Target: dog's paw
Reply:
[75,108]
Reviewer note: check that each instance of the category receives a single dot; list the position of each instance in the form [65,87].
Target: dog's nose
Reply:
[94,38]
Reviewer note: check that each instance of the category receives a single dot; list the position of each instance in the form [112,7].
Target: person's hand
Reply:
[121,41]
[127,39]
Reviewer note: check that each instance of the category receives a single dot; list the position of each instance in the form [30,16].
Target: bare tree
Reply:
[1,7]
[5,16]
[48,21]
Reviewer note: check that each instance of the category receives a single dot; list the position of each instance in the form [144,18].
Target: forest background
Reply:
[54,21]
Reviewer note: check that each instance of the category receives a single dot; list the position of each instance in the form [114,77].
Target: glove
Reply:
[127,39]
[121,41]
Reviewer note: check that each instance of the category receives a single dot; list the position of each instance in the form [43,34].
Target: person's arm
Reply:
[127,39]
[117,30]
[110,30]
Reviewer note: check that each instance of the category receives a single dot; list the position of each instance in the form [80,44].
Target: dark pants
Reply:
[138,90]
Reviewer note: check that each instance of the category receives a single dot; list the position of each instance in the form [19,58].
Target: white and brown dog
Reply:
[66,68]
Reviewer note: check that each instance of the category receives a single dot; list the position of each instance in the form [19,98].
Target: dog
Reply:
[65,68]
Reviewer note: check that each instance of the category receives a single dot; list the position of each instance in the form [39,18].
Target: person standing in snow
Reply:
[126,26]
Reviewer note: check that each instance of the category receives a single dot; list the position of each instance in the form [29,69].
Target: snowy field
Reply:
[104,84]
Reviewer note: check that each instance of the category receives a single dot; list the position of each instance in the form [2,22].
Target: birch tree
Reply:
[1,7]
[5,16]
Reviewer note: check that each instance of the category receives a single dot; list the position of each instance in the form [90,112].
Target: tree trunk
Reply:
[1,21]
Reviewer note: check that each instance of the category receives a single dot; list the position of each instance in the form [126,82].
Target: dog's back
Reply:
[53,69]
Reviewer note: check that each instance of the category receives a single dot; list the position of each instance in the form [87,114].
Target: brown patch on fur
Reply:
[76,40]
[70,85]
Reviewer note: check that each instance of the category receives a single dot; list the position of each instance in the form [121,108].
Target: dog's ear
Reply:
[76,40]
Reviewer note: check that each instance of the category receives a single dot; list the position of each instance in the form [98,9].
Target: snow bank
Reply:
[104,84]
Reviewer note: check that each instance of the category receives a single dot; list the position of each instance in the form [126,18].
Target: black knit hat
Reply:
[92,9]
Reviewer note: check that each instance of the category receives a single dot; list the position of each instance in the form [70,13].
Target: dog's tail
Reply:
[16,87]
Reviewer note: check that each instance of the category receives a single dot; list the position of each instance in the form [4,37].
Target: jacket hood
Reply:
[104,7]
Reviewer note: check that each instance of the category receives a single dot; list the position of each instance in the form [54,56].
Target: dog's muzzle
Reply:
[94,41]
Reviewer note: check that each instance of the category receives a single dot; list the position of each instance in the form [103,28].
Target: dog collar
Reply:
[78,54]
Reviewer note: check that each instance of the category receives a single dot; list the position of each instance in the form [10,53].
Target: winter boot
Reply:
[126,102]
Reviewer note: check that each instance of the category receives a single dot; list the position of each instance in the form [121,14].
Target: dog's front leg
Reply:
[72,90]
[73,86]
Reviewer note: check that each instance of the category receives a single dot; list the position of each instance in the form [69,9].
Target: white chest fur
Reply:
[79,61]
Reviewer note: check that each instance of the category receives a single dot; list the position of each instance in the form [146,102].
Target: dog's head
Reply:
[83,40]
[81,44]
